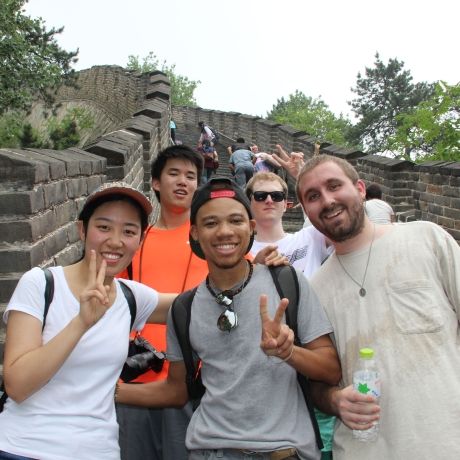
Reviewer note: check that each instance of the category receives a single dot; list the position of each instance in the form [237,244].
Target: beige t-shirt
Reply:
[409,316]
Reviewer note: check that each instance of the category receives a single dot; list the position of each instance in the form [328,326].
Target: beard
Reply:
[344,231]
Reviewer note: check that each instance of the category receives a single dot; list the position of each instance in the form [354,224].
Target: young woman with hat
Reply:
[61,381]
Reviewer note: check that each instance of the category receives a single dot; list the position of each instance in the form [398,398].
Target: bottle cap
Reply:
[366,353]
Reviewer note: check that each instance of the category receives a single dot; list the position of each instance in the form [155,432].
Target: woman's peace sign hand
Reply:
[94,300]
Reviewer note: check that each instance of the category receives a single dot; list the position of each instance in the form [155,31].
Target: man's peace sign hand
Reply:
[94,300]
[277,337]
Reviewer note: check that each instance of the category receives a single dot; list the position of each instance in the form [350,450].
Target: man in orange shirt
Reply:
[165,262]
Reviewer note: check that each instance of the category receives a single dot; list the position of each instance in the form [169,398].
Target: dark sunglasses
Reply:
[227,320]
[275,196]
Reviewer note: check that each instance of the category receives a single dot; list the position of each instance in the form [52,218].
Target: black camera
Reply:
[142,356]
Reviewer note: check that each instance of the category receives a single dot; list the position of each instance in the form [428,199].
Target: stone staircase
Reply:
[188,134]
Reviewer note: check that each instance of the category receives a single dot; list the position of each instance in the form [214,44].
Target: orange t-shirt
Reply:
[166,263]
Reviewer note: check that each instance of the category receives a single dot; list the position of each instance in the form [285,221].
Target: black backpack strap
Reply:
[49,294]
[129,270]
[287,285]
[128,293]
[181,312]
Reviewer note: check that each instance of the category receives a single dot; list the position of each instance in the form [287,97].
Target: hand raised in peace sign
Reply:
[277,337]
[292,163]
[94,300]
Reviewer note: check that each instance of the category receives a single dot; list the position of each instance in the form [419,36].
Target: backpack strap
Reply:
[49,294]
[128,293]
[181,312]
[129,270]
[287,284]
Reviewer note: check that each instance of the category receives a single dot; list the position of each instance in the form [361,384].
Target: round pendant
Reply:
[362,292]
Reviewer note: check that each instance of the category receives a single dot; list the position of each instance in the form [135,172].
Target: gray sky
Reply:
[249,53]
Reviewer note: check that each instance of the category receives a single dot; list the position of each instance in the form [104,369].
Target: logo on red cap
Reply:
[222,194]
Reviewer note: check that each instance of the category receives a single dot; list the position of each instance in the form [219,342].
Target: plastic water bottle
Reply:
[366,380]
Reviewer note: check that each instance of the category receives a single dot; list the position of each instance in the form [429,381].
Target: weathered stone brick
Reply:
[69,255]
[447,190]
[452,213]
[72,232]
[435,209]
[65,213]
[19,172]
[435,189]
[55,242]
[76,187]
[8,283]
[55,192]
[441,200]
[47,223]
[446,222]
[20,203]
[21,259]
[20,230]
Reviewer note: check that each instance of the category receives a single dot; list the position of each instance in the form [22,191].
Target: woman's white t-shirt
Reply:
[73,415]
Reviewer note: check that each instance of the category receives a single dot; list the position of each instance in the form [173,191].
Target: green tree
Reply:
[31,61]
[66,132]
[182,88]
[431,131]
[57,134]
[383,93]
[29,137]
[312,116]
[11,128]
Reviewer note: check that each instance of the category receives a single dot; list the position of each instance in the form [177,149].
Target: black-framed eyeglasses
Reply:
[275,195]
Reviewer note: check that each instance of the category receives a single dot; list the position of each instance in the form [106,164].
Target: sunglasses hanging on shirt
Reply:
[228,319]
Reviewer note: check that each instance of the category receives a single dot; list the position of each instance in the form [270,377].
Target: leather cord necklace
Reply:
[362,292]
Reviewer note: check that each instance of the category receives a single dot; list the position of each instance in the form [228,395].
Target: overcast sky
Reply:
[249,53]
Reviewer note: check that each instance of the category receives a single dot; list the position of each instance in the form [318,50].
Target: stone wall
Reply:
[42,191]
[428,191]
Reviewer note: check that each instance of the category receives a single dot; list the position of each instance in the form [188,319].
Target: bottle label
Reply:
[367,383]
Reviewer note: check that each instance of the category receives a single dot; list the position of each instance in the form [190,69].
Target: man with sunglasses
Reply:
[305,249]
[253,406]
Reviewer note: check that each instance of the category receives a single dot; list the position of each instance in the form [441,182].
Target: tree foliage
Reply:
[385,92]
[31,61]
[58,133]
[11,128]
[431,131]
[313,116]
[182,88]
